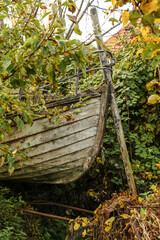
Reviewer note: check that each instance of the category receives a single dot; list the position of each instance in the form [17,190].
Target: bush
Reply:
[11,223]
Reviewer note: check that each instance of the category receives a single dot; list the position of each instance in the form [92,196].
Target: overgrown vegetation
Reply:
[122,217]
[140,120]
[12,225]
[15,225]
[33,54]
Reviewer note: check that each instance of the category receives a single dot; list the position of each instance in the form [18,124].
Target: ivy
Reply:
[140,120]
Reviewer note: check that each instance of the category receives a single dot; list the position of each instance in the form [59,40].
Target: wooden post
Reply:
[114,108]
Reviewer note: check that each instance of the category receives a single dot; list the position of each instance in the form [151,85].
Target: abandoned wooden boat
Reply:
[60,152]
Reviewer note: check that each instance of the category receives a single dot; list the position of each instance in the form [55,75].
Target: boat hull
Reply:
[60,151]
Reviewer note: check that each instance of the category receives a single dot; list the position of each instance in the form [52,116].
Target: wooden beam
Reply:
[114,107]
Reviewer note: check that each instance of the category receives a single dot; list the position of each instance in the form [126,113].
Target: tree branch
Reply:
[86,44]
[71,27]
[68,35]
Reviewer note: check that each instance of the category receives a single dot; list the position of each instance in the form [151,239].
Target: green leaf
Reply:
[61,21]
[148,20]
[51,73]
[7,1]
[62,43]
[113,20]
[6,63]
[19,122]
[46,14]
[77,30]
[46,52]
[51,48]
[133,17]
[143,211]
[11,67]
[28,119]
[1,136]
[62,66]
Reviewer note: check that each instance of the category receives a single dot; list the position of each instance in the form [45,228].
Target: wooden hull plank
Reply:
[44,124]
[54,134]
[55,155]
[53,170]
[58,178]
[62,177]
[70,158]
[62,142]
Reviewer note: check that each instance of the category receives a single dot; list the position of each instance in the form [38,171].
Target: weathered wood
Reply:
[51,170]
[62,152]
[53,162]
[114,107]
[55,133]
[43,124]
[61,177]
[55,156]
[102,121]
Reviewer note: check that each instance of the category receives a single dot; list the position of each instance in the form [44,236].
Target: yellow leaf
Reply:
[153,99]
[135,39]
[157,20]
[65,108]
[108,228]
[95,211]
[109,221]
[84,233]
[133,2]
[91,193]
[151,83]
[73,7]
[76,226]
[151,38]
[144,31]
[140,200]
[113,2]
[121,204]
[150,6]
[125,216]
[155,52]
[139,51]
[125,17]
[85,221]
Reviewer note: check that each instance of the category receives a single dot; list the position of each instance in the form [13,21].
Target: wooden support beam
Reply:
[114,108]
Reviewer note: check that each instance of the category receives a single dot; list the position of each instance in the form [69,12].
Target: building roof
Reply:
[115,42]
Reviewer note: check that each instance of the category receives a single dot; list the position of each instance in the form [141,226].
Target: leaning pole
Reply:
[114,108]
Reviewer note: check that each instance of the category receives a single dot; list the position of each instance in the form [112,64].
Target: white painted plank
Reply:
[55,154]
[52,170]
[44,124]
[61,177]
[54,134]
[61,142]
[55,162]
